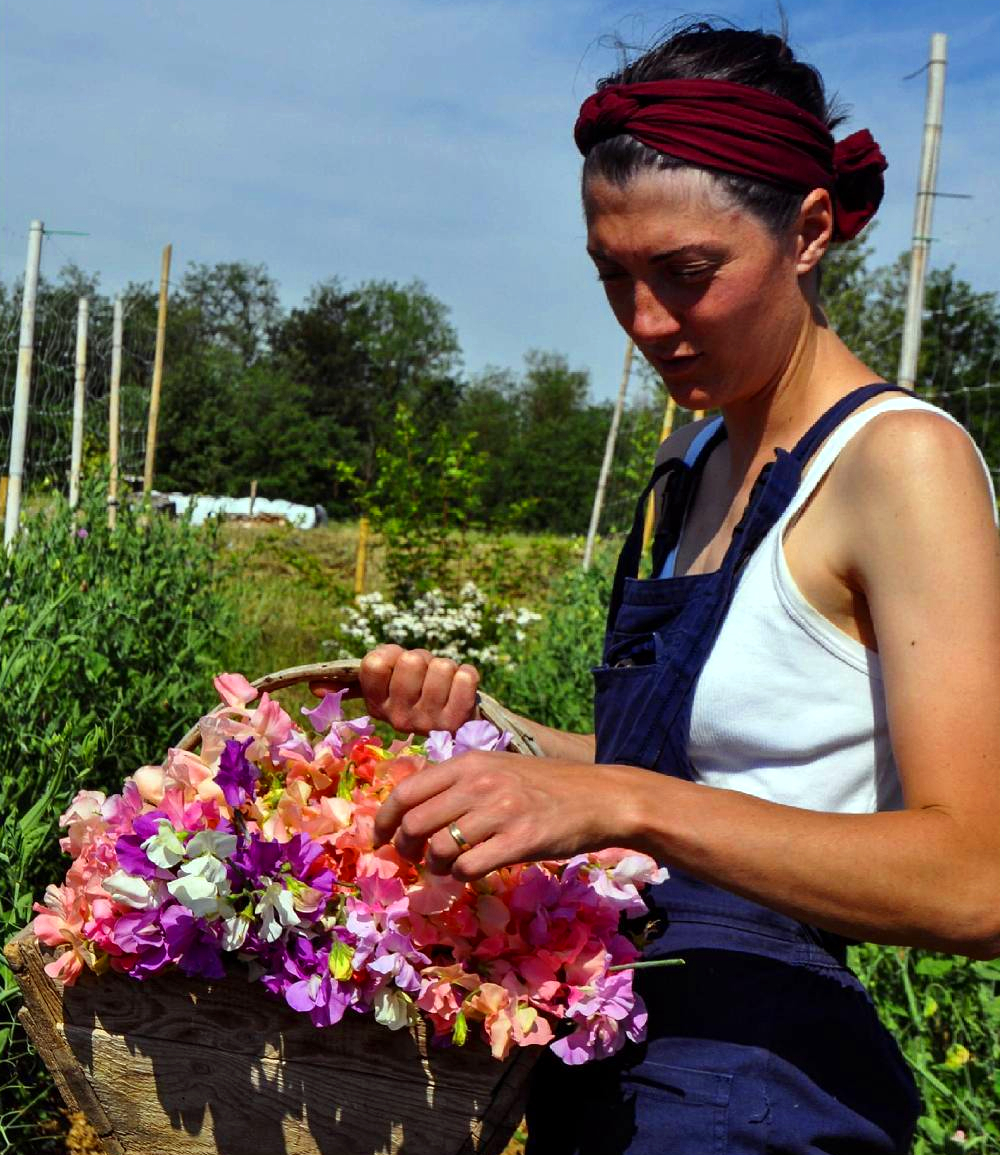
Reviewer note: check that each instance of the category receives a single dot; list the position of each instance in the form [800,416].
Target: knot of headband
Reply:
[738,129]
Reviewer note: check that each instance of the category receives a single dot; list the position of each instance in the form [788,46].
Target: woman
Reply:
[798,715]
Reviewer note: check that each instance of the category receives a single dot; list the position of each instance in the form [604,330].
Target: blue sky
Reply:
[420,138]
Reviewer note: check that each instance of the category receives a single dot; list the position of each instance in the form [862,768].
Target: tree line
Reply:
[307,399]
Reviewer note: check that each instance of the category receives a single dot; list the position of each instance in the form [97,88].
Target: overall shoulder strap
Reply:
[815,436]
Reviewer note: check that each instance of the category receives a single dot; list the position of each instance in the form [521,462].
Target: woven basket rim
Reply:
[346,673]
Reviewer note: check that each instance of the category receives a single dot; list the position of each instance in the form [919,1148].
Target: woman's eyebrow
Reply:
[691,250]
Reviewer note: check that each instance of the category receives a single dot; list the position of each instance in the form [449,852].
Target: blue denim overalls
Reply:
[763,1041]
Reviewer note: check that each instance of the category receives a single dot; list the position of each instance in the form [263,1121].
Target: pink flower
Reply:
[234,689]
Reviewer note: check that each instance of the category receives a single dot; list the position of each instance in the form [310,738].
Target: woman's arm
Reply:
[924,551]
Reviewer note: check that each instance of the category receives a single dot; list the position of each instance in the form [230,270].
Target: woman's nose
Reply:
[652,318]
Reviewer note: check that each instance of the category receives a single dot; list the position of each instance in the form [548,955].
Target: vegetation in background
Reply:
[304,399]
[108,643]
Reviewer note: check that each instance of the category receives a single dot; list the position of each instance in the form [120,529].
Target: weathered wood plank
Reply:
[177,1065]
[169,1096]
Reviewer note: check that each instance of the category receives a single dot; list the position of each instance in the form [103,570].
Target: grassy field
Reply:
[292,584]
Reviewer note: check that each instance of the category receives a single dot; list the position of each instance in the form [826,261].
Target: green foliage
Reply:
[425,498]
[551,681]
[108,641]
[945,1013]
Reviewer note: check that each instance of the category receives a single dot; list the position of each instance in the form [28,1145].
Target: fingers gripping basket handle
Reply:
[347,674]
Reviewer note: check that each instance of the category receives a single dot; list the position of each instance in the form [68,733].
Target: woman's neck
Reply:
[819,370]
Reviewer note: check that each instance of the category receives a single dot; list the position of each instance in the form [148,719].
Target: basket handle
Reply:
[347,674]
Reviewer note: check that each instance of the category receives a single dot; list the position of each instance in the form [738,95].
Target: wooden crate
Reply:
[176,1066]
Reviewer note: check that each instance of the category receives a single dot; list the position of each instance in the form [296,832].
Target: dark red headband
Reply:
[735,128]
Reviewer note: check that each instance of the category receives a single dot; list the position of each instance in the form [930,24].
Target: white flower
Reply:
[200,896]
[214,842]
[392,1008]
[207,866]
[235,932]
[277,910]
[164,848]
[132,891]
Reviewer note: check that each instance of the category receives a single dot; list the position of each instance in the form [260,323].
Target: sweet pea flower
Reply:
[60,924]
[85,820]
[237,776]
[164,848]
[329,710]
[392,1008]
[270,722]
[477,735]
[608,1014]
[234,689]
[193,944]
[277,911]
[132,890]
[151,783]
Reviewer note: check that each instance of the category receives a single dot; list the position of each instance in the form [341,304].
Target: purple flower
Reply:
[329,710]
[132,858]
[237,777]
[256,860]
[480,735]
[194,944]
[82,533]
[608,1014]
[140,933]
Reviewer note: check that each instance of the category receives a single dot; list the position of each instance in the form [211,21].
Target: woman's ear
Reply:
[813,229]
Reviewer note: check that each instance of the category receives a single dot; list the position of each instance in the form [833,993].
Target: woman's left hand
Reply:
[507,808]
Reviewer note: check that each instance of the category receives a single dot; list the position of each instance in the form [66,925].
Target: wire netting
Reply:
[50,416]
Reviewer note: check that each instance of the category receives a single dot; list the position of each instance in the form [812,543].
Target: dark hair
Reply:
[705,51]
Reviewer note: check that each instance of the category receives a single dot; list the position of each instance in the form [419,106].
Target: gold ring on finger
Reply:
[459,837]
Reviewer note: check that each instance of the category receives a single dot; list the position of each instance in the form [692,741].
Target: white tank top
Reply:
[788,707]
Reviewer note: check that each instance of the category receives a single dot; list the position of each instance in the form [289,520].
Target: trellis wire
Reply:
[49,442]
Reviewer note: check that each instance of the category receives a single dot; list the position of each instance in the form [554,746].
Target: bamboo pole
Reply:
[154,396]
[669,415]
[79,400]
[253,497]
[609,452]
[359,565]
[22,388]
[913,323]
[114,414]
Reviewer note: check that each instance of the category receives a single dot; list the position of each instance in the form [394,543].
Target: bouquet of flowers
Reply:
[260,847]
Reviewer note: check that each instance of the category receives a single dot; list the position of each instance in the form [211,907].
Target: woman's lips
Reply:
[678,363]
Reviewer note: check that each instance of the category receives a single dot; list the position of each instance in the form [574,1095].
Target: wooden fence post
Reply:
[154,396]
[359,565]
[114,414]
[79,400]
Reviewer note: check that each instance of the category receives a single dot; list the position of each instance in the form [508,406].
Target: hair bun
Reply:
[859,186]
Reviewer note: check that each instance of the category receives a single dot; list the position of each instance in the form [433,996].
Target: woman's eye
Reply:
[692,272]
[605,275]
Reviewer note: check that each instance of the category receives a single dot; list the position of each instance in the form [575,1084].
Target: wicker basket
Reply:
[176,1065]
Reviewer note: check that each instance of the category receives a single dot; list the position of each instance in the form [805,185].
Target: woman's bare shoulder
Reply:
[922,449]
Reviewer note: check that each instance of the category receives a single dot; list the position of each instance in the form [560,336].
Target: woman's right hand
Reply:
[416,692]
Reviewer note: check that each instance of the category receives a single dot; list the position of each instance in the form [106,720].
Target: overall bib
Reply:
[763,1041]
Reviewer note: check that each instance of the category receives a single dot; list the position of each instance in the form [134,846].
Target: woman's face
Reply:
[707,293]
